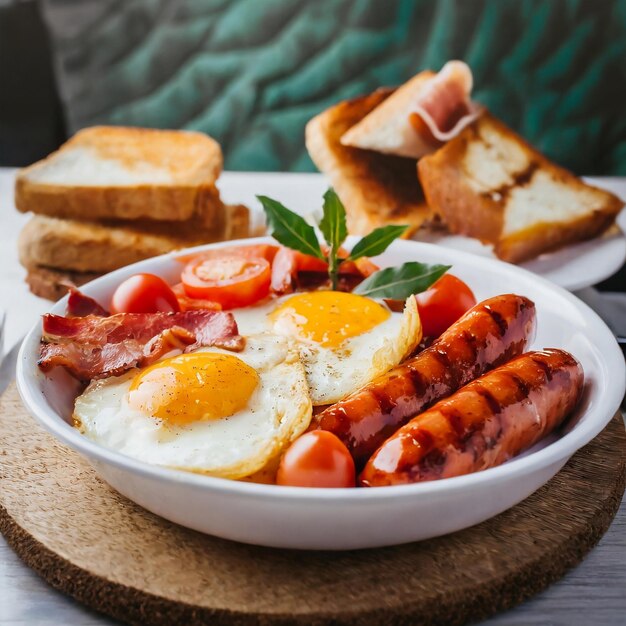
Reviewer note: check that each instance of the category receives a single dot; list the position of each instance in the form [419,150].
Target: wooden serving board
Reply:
[93,544]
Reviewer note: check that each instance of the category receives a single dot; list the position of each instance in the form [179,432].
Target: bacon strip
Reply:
[96,347]
[80,305]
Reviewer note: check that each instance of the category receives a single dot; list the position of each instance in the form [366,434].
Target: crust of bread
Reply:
[470,206]
[52,284]
[95,247]
[545,237]
[376,189]
[164,170]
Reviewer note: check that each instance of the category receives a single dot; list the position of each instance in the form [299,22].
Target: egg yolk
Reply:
[194,387]
[327,317]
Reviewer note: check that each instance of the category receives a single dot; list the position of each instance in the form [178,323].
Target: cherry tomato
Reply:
[316,459]
[443,304]
[144,293]
[232,281]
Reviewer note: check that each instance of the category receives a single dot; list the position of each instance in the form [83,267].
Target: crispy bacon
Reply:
[96,347]
[80,305]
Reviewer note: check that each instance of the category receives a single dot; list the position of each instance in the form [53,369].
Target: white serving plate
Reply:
[341,519]
[574,267]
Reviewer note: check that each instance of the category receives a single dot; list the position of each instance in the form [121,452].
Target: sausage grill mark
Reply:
[494,405]
[498,319]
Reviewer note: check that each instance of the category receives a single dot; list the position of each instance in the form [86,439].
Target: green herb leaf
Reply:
[291,229]
[333,224]
[376,242]
[335,231]
[401,282]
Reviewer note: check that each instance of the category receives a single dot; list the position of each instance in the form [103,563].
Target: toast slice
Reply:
[376,189]
[52,284]
[121,173]
[489,183]
[78,246]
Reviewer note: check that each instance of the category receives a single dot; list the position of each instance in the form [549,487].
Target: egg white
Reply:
[278,411]
[334,372]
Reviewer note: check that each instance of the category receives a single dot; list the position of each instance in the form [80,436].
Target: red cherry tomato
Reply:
[316,459]
[144,293]
[232,281]
[443,304]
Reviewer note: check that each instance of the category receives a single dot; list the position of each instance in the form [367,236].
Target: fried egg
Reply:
[211,411]
[344,340]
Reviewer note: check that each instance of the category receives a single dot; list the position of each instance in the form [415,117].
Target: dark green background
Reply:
[252,72]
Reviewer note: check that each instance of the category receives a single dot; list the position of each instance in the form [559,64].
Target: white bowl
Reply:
[342,519]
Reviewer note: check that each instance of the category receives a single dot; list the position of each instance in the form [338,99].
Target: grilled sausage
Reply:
[489,334]
[482,425]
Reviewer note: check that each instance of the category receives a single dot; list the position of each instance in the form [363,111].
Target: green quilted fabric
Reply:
[252,72]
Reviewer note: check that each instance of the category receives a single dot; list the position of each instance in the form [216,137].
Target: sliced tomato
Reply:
[443,304]
[144,293]
[193,304]
[232,281]
[289,263]
[256,251]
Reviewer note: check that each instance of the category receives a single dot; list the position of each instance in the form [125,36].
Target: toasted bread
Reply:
[52,284]
[490,184]
[93,247]
[121,173]
[376,189]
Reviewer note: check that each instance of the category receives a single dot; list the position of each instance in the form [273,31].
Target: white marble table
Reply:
[592,593]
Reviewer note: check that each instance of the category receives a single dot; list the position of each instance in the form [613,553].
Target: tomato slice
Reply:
[232,280]
[193,304]
[316,459]
[443,304]
[288,263]
[256,251]
[144,293]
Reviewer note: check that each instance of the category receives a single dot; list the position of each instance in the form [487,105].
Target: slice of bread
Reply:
[490,184]
[376,189]
[123,173]
[387,128]
[94,247]
[52,284]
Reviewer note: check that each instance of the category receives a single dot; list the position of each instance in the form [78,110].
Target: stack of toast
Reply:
[112,196]
[462,170]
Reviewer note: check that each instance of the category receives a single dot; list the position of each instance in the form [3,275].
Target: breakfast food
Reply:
[112,196]
[95,346]
[102,247]
[53,284]
[489,334]
[483,424]
[490,184]
[108,172]
[344,340]
[476,176]
[420,115]
[376,189]
[220,373]
[208,411]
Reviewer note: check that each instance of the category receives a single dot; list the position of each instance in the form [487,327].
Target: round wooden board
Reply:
[105,551]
